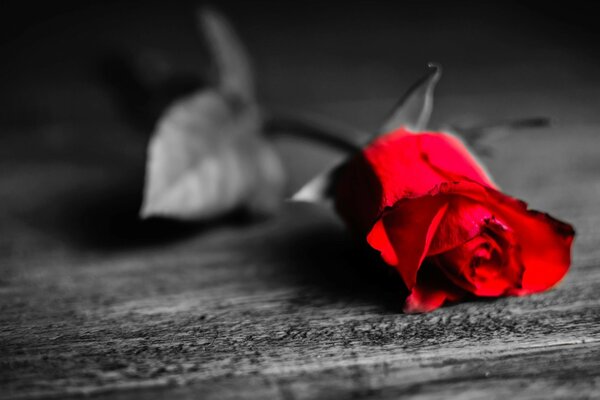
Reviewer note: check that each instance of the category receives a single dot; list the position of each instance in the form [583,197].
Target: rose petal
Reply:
[485,266]
[461,223]
[358,194]
[398,166]
[414,228]
[448,155]
[403,234]
[544,241]
[411,165]
[431,292]
[424,299]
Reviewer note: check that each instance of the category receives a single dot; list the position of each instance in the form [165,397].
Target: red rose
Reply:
[436,216]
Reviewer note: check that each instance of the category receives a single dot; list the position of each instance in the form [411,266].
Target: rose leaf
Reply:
[414,108]
[475,135]
[207,156]
[232,63]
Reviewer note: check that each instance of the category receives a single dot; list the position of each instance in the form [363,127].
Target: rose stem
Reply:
[320,132]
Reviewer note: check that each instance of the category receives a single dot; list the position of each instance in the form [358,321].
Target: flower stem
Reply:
[318,131]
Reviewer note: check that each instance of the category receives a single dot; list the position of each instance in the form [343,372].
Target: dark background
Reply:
[348,61]
[57,46]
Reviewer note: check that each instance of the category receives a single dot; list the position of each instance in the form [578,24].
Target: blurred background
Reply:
[82,82]
[307,54]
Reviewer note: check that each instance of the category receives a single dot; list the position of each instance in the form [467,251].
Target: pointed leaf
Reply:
[414,108]
[320,188]
[235,78]
[474,135]
[207,158]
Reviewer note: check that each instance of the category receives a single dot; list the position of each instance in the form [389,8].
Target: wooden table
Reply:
[95,302]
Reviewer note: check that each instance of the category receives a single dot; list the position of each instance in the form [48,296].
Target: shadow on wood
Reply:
[107,218]
[326,257]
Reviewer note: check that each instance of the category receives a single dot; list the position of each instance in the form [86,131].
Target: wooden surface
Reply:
[95,302]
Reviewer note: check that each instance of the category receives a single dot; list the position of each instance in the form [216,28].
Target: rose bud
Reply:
[432,211]
[428,206]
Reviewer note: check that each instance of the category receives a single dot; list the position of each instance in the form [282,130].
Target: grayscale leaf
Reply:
[475,133]
[414,108]
[207,158]
[233,66]
[320,188]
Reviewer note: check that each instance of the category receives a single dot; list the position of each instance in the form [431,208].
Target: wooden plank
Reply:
[288,308]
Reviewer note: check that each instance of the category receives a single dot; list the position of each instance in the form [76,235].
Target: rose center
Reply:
[486,265]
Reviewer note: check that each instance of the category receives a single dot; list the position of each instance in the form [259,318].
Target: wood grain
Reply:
[287,308]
